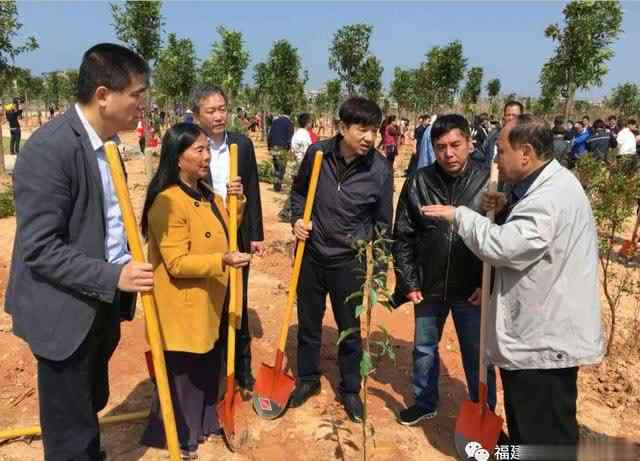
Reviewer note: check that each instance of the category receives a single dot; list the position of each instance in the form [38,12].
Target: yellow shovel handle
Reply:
[233,272]
[306,218]
[148,302]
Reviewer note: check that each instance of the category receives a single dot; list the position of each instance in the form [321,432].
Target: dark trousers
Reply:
[540,407]
[72,391]
[142,142]
[194,383]
[243,373]
[339,281]
[391,151]
[14,144]
[279,156]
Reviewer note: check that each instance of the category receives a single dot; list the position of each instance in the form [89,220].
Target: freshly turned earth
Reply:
[609,400]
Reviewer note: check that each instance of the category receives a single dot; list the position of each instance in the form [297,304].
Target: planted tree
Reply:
[138,25]
[440,76]
[403,89]
[283,77]
[53,88]
[472,88]
[227,62]
[348,54]
[493,90]
[613,190]
[68,85]
[625,99]
[373,293]
[9,50]
[583,48]
[371,78]
[175,71]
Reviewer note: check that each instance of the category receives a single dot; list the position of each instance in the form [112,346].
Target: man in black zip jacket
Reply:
[434,268]
[354,196]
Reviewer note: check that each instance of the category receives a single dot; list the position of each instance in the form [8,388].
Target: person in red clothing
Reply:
[140,134]
[390,139]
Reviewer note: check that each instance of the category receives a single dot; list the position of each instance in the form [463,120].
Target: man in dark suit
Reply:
[210,110]
[71,273]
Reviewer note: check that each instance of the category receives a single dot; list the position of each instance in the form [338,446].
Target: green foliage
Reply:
[28,86]
[376,257]
[7,207]
[348,54]
[371,78]
[583,48]
[52,87]
[612,190]
[68,85]
[265,171]
[440,76]
[403,89]
[473,87]
[625,99]
[138,25]
[175,71]
[9,27]
[227,62]
[493,87]
[280,78]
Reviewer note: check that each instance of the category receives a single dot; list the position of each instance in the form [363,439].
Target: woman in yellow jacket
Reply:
[186,227]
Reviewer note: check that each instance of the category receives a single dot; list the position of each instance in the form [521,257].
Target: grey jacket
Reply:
[545,307]
[59,277]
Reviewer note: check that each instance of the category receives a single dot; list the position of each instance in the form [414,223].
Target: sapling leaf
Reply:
[345,333]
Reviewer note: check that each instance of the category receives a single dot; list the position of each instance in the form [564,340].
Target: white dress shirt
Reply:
[626,142]
[115,244]
[219,166]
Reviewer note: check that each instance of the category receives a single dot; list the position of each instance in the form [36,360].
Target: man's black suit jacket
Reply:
[59,277]
[251,228]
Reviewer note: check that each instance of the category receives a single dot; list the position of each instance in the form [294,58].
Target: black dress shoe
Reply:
[353,406]
[303,391]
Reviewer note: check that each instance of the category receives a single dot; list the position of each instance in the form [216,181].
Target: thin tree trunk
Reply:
[3,170]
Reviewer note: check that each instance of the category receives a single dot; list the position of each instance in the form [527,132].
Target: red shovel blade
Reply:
[628,249]
[272,389]
[227,413]
[476,424]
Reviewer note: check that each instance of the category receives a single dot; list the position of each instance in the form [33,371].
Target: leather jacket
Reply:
[428,254]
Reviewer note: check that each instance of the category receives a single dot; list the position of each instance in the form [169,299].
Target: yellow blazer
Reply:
[186,245]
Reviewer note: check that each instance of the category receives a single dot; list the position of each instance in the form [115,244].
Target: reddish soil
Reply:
[609,400]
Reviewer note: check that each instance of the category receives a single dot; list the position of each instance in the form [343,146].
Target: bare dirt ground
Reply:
[608,409]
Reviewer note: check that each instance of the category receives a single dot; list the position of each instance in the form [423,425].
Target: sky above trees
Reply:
[506,39]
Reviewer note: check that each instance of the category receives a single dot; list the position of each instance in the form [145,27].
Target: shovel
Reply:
[629,247]
[148,301]
[273,385]
[227,407]
[477,427]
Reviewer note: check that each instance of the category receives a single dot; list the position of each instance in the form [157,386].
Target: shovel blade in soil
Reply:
[226,414]
[628,249]
[271,391]
[476,427]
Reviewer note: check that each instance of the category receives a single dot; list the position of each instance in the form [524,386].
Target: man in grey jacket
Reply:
[72,276]
[544,314]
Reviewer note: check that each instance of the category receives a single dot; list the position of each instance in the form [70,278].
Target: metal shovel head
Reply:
[477,428]
[226,414]
[628,249]
[271,391]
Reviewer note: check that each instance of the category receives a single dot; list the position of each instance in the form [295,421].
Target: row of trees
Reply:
[583,48]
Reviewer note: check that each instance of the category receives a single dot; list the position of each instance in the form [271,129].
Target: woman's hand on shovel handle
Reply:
[235,187]
[236,259]
[300,231]
[136,277]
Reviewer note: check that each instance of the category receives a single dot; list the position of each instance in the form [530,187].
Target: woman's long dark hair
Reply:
[175,141]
